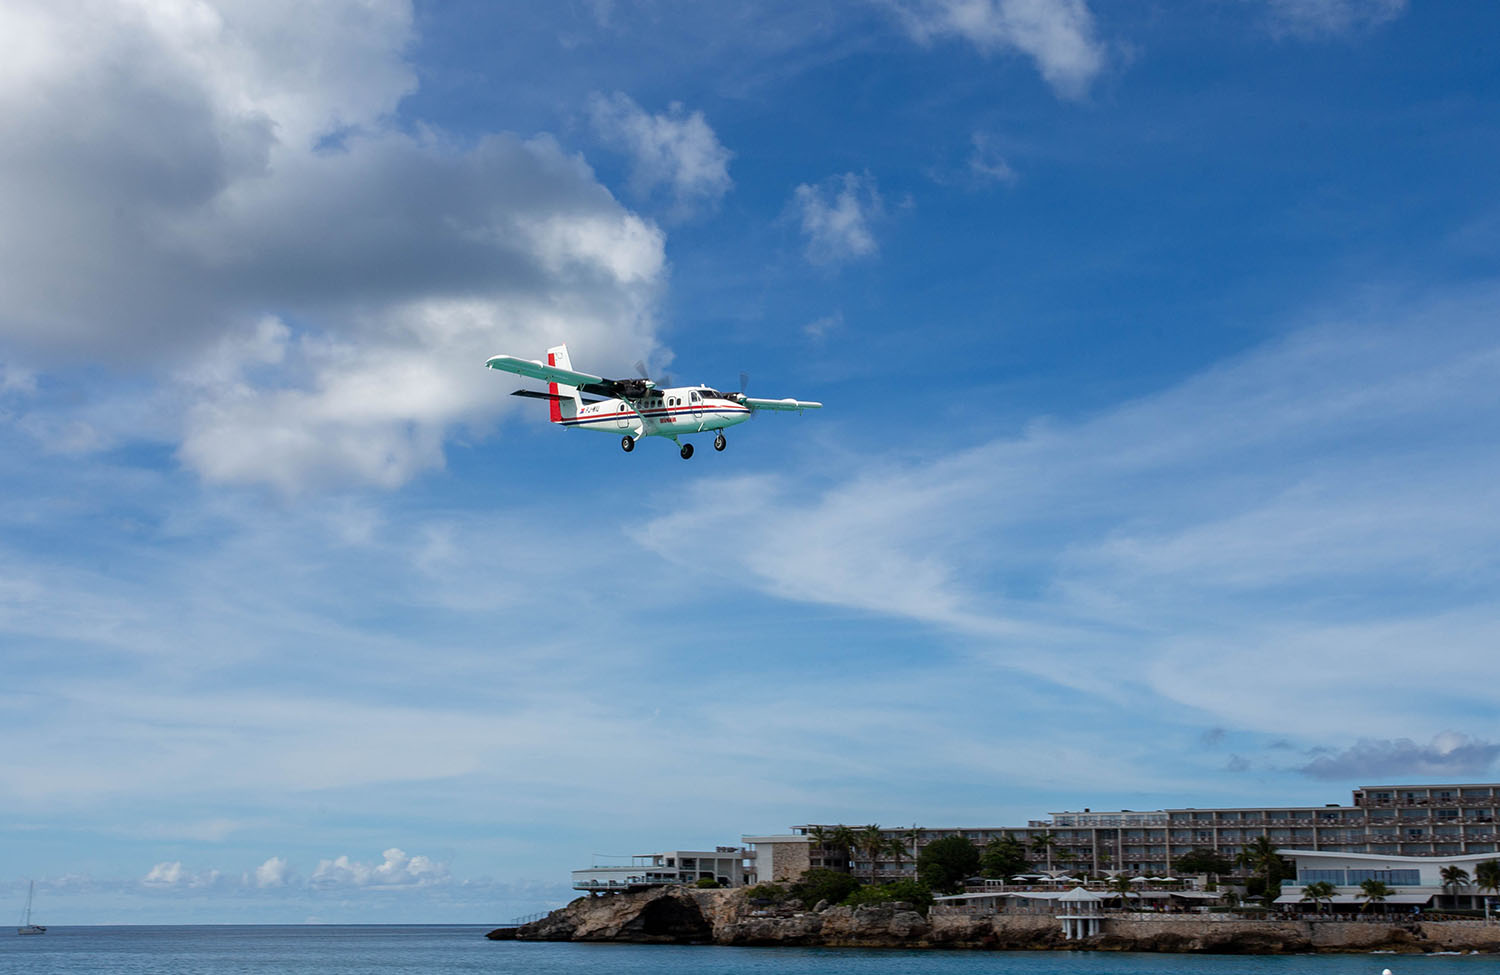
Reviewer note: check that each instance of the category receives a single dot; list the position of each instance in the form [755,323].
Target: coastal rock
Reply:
[675,915]
[662,915]
[873,925]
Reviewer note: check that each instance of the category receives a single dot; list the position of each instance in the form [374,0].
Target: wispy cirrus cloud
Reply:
[1290,525]
[1058,35]
[1321,18]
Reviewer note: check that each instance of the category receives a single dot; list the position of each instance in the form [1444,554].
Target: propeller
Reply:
[663,381]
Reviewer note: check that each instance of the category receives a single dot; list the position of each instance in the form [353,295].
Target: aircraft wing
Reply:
[781,404]
[586,382]
[532,369]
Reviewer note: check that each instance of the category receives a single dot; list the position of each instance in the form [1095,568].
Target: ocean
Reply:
[396,950]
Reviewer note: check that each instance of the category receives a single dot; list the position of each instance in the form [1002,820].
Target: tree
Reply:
[819,837]
[913,892]
[1319,891]
[871,842]
[1203,860]
[943,864]
[840,839]
[1120,885]
[1002,857]
[1043,844]
[1454,879]
[822,884]
[1487,876]
[1373,892]
[895,848]
[1261,857]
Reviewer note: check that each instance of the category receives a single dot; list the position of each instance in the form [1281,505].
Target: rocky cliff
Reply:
[672,915]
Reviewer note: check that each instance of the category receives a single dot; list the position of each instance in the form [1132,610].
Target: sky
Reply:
[1158,465]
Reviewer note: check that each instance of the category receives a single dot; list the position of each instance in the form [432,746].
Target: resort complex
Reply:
[1399,820]
[1418,840]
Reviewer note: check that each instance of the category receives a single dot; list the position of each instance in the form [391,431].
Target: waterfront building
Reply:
[1414,881]
[725,865]
[776,859]
[1397,820]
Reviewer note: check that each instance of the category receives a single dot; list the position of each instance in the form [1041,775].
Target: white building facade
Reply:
[1413,881]
[724,865]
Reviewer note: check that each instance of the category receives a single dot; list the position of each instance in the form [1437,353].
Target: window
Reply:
[1335,877]
[1408,877]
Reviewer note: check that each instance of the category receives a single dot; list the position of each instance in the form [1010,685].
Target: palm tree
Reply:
[1487,876]
[820,838]
[1373,891]
[1042,844]
[1119,884]
[1454,879]
[1319,891]
[911,837]
[871,841]
[895,848]
[845,840]
[1261,857]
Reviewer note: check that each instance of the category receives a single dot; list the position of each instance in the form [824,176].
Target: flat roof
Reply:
[1406,858]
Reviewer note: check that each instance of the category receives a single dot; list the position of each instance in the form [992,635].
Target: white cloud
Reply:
[987,164]
[820,328]
[836,218]
[15,379]
[1312,18]
[1057,34]
[213,195]
[275,872]
[173,875]
[395,870]
[675,149]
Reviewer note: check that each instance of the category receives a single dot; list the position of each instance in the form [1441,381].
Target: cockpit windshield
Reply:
[707,393]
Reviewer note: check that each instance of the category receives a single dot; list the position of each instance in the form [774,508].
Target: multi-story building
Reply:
[1407,820]
[724,865]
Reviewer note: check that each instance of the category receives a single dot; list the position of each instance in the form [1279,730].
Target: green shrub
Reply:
[824,885]
[774,893]
[913,892]
[707,883]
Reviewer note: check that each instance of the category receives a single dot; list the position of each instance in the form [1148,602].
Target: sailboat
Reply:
[26,926]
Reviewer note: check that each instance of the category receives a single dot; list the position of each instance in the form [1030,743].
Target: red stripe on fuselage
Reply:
[656,414]
[555,407]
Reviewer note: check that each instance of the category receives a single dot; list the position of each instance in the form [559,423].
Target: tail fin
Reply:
[565,408]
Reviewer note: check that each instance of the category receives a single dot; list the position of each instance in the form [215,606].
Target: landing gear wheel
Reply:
[686,451]
[627,444]
[720,443]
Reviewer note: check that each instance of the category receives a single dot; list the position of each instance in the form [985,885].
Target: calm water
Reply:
[395,950]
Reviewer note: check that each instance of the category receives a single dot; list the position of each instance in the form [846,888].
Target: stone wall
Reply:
[788,861]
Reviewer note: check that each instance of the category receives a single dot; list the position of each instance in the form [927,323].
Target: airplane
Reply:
[636,408]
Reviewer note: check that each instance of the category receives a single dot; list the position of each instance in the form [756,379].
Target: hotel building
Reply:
[1388,820]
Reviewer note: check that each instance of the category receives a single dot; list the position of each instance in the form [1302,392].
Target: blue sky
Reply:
[1158,465]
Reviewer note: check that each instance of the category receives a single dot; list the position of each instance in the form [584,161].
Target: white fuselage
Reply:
[662,413]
